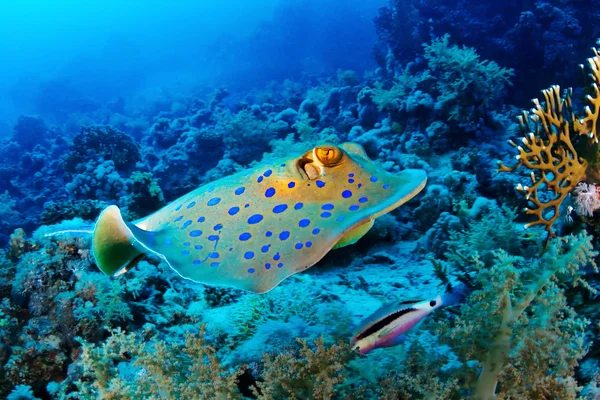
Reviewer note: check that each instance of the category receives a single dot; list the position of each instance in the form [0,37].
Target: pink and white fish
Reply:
[385,327]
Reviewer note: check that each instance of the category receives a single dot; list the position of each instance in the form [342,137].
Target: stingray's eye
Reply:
[328,155]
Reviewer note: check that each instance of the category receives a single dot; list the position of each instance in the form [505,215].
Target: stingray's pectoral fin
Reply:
[354,234]
[113,243]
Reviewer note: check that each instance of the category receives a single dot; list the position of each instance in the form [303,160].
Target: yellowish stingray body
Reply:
[253,229]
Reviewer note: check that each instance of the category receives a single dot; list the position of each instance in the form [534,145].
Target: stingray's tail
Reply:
[112,243]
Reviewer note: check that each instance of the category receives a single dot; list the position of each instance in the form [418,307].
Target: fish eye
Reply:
[328,155]
[432,303]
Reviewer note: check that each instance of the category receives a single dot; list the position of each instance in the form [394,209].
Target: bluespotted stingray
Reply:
[254,229]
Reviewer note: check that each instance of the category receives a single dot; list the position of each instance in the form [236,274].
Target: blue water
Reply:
[70,54]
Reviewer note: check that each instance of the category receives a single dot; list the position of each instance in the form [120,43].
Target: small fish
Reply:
[386,326]
[254,229]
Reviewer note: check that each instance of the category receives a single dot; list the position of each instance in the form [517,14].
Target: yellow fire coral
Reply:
[559,148]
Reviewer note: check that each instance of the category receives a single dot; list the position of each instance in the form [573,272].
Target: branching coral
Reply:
[515,336]
[127,366]
[466,84]
[559,148]
[311,374]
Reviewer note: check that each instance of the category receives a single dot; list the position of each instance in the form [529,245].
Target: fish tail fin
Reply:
[113,243]
[455,294]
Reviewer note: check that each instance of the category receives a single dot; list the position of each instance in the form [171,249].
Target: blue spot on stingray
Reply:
[304,223]
[178,218]
[280,208]
[265,248]
[214,201]
[218,227]
[251,270]
[245,236]
[353,207]
[185,253]
[198,247]
[346,194]
[298,206]
[213,238]
[246,205]
[363,200]
[179,207]
[268,173]
[186,224]
[279,265]
[201,219]
[325,214]
[351,174]
[268,266]
[298,246]
[195,233]
[320,183]
[308,244]
[255,219]
[291,184]
[214,254]
[197,262]
[260,179]
[192,204]
[340,218]
[233,210]
[215,264]
[387,185]
[239,190]
[359,185]
[249,255]
[186,244]
[327,206]
[316,231]
[350,180]
[282,165]
[284,235]
[374,179]
[269,234]
[168,243]
[270,192]
[276,256]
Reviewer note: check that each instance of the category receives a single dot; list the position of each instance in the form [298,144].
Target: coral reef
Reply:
[560,149]
[450,78]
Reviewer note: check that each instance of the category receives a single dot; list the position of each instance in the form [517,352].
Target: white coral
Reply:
[586,199]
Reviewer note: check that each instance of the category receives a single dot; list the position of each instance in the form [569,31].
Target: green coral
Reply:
[516,335]
[127,366]
[463,81]
[311,373]
[462,84]
[146,195]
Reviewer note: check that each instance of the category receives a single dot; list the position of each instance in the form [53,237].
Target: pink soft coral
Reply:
[586,199]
